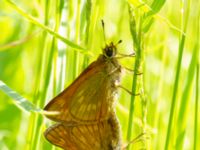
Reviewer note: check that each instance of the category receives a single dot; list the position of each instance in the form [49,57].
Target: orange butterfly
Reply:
[87,119]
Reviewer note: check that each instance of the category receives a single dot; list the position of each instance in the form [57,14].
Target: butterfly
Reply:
[86,118]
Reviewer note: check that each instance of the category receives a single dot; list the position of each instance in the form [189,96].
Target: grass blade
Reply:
[197,91]
[183,115]
[86,20]
[175,90]
[184,106]
[136,36]
[20,101]
[196,108]
[156,6]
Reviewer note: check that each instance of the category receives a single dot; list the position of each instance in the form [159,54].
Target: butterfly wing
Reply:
[88,98]
[82,137]
[58,135]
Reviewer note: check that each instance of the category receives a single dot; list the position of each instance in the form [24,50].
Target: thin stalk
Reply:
[88,5]
[175,89]
[34,120]
[137,44]
[58,13]
[75,61]
[54,50]
[45,85]
[95,9]
[68,76]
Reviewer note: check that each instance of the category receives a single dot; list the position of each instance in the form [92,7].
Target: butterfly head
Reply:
[111,50]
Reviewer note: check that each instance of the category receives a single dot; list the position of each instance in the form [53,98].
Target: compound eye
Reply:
[109,52]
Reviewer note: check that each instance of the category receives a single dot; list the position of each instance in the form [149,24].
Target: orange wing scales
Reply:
[82,137]
[86,119]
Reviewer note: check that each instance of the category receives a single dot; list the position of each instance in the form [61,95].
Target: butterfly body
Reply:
[87,108]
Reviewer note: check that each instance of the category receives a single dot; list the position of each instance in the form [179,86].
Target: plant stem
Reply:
[137,44]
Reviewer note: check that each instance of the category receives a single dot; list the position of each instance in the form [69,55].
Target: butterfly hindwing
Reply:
[81,137]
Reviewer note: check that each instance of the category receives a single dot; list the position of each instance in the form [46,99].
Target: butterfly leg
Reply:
[125,55]
[128,91]
[130,70]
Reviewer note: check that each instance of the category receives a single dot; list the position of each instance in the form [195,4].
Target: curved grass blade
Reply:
[155,8]
[20,101]
[35,22]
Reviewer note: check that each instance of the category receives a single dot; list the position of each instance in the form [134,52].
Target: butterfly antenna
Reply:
[120,41]
[103,26]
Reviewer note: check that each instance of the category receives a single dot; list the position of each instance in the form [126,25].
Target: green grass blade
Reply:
[197,90]
[34,21]
[47,61]
[184,107]
[58,84]
[20,101]
[196,108]
[86,19]
[185,99]
[156,6]
[137,44]
[176,82]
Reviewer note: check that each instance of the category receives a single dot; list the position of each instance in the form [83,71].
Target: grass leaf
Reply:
[176,82]
[20,101]
[184,106]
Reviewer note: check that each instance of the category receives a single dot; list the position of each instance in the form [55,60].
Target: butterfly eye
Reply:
[109,52]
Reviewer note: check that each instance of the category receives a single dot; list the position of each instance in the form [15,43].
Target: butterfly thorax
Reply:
[112,76]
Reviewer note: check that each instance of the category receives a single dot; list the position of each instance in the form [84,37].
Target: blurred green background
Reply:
[41,53]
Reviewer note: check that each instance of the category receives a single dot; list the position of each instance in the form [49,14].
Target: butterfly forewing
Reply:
[86,104]
[90,96]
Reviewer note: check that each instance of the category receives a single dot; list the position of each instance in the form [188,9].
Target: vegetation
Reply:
[44,45]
